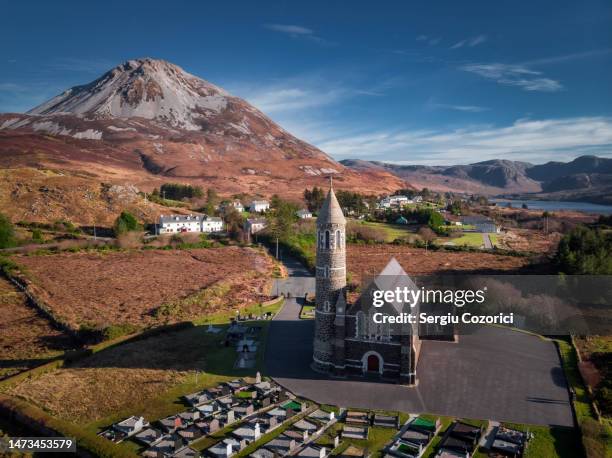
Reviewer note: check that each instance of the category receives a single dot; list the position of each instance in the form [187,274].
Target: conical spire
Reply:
[330,212]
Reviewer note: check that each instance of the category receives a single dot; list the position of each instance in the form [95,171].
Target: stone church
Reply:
[347,341]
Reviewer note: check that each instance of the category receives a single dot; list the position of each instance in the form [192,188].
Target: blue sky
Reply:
[407,82]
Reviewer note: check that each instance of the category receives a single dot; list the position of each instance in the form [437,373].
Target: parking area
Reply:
[495,373]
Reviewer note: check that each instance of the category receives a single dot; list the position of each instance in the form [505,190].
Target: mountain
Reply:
[489,177]
[587,178]
[147,122]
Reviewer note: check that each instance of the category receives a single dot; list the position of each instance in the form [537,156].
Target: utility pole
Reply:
[277,248]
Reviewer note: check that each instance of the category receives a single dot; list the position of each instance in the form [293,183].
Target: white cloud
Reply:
[277,99]
[477,40]
[525,140]
[471,42]
[430,40]
[290,29]
[295,95]
[464,108]
[299,32]
[514,75]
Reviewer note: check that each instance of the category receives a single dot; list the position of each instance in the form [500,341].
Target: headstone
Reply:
[258,377]
[336,441]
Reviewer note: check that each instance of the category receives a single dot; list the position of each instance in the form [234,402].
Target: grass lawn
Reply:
[307,312]
[551,441]
[392,231]
[473,239]
[377,439]
[494,239]
[225,317]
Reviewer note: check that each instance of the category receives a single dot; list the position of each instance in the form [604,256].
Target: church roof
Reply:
[330,212]
[393,276]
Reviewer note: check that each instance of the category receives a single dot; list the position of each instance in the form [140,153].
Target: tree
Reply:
[233,221]
[314,199]
[427,235]
[435,220]
[177,191]
[212,200]
[7,232]
[126,222]
[281,218]
[585,251]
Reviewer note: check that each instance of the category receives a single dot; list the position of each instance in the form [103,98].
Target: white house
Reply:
[259,206]
[172,224]
[235,204]
[304,214]
[394,201]
[212,224]
[254,225]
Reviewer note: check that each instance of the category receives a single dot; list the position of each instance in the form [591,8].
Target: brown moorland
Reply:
[144,287]
[144,377]
[26,338]
[368,260]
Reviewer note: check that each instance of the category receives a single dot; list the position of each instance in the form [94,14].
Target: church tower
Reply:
[330,285]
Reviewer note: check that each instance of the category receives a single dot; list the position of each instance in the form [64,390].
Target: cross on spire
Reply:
[331,181]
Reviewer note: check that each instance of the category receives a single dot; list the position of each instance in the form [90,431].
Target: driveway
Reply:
[487,241]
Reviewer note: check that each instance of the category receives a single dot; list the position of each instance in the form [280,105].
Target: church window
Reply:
[327,240]
[326,272]
[360,331]
[338,239]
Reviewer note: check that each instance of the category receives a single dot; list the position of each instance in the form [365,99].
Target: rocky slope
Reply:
[147,122]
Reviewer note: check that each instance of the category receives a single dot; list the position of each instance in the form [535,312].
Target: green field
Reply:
[473,239]
[391,231]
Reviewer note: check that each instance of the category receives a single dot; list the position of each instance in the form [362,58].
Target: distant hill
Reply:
[587,178]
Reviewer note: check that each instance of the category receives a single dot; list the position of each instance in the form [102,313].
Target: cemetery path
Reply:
[495,373]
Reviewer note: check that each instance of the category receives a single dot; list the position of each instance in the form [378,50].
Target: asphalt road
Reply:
[495,374]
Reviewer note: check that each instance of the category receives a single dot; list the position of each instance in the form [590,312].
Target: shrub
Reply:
[118,330]
[37,236]
[126,222]
[7,232]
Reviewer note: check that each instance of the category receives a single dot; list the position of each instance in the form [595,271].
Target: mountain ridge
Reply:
[587,177]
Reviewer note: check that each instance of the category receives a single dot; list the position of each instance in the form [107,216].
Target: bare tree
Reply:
[427,235]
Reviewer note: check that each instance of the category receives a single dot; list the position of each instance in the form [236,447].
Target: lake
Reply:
[554,205]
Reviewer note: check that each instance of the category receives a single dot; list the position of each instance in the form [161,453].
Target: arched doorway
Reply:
[373,365]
